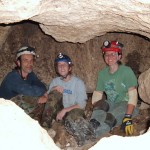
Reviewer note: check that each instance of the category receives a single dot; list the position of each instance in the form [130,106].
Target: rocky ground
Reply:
[67,142]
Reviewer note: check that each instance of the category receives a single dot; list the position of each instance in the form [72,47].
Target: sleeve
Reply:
[130,78]
[51,85]
[36,88]
[100,82]
[81,94]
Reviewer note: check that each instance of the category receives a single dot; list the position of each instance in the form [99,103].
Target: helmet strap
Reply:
[65,77]
[20,69]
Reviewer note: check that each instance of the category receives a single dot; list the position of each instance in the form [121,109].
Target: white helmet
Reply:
[25,50]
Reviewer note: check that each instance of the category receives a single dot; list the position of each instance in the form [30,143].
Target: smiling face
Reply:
[26,63]
[63,69]
[111,58]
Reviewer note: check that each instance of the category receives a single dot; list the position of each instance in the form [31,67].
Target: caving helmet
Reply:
[63,58]
[25,50]
[112,46]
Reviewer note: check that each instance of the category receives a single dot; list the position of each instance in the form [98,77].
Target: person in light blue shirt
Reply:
[74,100]
[72,87]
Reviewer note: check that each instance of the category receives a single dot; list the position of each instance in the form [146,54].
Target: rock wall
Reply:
[144,86]
[87,57]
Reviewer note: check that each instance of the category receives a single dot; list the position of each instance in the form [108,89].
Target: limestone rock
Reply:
[19,131]
[80,21]
[123,142]
[144,84]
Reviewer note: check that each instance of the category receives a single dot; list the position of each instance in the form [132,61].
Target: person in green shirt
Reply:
[119,83]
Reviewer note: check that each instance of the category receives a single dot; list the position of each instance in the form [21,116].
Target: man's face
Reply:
[26,63]
[63,68]
[111,57]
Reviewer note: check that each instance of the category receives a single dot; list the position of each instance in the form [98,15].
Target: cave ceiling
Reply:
[79,21]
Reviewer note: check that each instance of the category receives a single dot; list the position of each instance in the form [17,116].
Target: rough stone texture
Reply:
[87,57]
[86,22]
[19,131]
[67,142]
[80,21]
[144,86]
[4,31]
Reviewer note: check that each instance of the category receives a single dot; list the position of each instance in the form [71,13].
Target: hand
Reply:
[58,88]
[43,99]
[61,114]
[127,125]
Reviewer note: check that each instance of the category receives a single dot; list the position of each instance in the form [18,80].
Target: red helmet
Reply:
[112,46]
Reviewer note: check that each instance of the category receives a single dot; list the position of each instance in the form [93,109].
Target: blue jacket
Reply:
[14,85]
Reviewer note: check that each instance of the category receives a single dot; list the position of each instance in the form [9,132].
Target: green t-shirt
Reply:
[116,85]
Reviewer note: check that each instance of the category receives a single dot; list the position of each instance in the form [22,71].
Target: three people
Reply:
[119,83]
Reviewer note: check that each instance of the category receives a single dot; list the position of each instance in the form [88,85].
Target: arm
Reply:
[127,125]
[43,99]
[62,113]
[28,87]
[54,86]
[36,81]
[81,96]
[97,95]
[132,92]
[80,99]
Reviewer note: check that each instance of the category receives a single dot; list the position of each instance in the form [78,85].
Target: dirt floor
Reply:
[67,142]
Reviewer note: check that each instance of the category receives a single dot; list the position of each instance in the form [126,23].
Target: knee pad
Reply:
[110,120]
[101,105]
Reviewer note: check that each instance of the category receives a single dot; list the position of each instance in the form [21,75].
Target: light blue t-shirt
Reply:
[74,91]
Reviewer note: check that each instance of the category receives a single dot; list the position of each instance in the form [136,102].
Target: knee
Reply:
[101,105]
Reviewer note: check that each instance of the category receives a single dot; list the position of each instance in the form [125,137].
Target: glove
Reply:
[127,125]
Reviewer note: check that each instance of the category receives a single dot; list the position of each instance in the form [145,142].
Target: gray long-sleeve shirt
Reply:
[74,91]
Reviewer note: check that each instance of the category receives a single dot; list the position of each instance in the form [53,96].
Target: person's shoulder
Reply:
[124,67]
[56,79]
[125,70]
[32,73]
[103,70]
[77,79]
[13,73]
[11,76]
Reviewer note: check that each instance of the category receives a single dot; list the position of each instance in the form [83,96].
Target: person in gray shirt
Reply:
[74,99]
[72,87]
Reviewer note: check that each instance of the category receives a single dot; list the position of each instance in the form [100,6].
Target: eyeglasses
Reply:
[111,55]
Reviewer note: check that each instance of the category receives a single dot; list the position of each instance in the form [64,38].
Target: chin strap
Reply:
[19,68]
[64,77]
